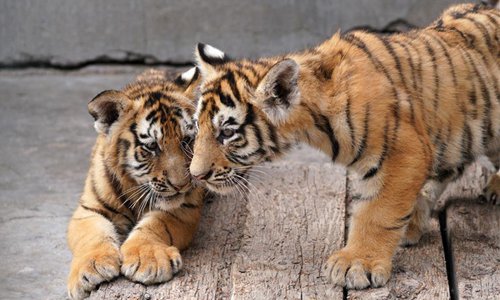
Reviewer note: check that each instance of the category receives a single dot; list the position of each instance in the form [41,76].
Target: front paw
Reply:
[150,262]
[357,270]
[89,270]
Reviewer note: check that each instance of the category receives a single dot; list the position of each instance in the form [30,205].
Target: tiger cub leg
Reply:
[378,225]
[419,222]
[151,252]
[491,192]
[95,246]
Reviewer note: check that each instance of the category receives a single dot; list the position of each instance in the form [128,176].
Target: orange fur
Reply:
[406,112]
[138,206]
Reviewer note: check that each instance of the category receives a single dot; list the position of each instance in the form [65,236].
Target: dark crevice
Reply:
[347,201]
[129,59]
[132,58]
[448,255]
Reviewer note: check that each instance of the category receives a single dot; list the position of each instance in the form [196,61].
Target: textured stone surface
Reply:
[66,32]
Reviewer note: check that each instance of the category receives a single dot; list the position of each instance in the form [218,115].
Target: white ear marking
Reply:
[213,52]
[189,74]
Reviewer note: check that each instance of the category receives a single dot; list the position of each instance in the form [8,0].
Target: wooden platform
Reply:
[273,244]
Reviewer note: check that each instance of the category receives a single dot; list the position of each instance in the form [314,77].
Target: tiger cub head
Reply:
[146,132]
[244,106]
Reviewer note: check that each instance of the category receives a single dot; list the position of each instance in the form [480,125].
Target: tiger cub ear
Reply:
[106,108]
[208,58]
[189,81]
[278,92]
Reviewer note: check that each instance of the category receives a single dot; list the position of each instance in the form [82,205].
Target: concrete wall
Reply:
[67,32]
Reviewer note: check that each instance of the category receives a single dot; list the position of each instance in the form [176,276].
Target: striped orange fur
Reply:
[138,207]
[404,112]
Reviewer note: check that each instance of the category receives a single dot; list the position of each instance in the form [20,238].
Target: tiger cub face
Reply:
[243,107]
[148,130]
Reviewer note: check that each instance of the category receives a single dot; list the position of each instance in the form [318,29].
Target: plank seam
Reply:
[448,255]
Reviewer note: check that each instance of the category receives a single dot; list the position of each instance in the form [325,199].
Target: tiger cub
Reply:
[138,207]
[402,111]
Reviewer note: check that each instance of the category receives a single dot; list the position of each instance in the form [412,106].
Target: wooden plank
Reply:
[419,272]
[473,230]
[293,225]
[206,273]
[272,245]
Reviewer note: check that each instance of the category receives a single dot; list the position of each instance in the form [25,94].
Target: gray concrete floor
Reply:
[46,138]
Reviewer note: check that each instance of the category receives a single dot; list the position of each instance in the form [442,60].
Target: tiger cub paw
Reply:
[150,263]
[491,193]
[92,269]
[355,271]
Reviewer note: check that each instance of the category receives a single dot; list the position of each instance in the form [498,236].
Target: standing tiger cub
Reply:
[405,112]
[138,208]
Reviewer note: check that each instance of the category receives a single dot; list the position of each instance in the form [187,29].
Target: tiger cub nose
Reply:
[204,176]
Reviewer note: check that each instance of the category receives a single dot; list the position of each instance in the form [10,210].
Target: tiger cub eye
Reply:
[227,132]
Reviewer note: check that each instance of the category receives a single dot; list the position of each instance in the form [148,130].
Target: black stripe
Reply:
[385,149]
[466,144]
[258,135]
[152,99]
[438,40]
[250,116]
[349,121]
[323,124]
[236,160]
[380,67]
[234,88]
[99,199]
[486,98]
[490,18]
[226,100]
[98,211]
[209,91]
[393,54]
[396,227]
[406,218]
[362,144]
[117,191]
[259,151]
[189,206]
[244,77]
[432,54]
[413,68]
[273,137]
[470,40]
[151,115]
[414,77]
[175,217]
[419,74]
[121,154]
[252,70]
[483,31]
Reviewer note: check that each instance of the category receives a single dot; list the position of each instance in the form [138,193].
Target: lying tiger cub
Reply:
[138,208]
[401,111]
